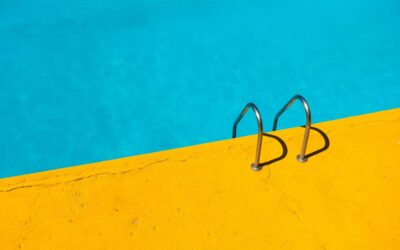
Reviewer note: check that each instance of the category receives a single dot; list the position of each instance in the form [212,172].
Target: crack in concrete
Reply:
[294,212]
[85,177]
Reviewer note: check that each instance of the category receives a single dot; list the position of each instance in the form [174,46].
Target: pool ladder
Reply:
[302,156]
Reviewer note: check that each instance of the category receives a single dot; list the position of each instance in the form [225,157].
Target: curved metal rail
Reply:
[301,157]
[256,165]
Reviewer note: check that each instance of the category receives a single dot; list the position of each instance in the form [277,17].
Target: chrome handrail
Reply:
[256,165]
[301,157]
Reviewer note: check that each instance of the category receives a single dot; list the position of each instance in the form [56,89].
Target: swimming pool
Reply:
[95,80]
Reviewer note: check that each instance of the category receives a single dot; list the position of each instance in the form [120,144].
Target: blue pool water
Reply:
[85,81]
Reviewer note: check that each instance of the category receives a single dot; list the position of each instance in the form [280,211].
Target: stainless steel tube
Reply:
[301,157]
[256,164]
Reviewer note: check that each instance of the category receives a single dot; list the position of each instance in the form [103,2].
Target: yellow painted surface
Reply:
[207,197]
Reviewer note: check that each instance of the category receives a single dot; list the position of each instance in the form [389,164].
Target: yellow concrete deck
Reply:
[207,197]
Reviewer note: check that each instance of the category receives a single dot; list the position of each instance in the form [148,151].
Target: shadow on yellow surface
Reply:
[285,148]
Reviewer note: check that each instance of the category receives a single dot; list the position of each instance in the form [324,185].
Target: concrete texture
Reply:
[207,197]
